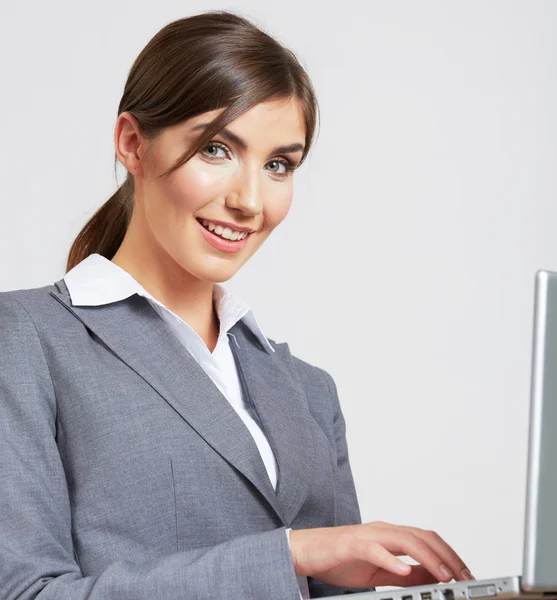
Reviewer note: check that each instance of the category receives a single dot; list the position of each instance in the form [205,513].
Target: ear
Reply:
[129,144]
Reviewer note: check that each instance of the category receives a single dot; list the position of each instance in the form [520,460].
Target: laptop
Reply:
[539,570]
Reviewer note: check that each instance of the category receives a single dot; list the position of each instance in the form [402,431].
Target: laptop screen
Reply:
[540,536]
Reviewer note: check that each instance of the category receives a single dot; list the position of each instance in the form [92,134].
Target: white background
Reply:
[406,265]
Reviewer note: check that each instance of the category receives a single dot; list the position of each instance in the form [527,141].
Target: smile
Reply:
[224,232]
[220,243]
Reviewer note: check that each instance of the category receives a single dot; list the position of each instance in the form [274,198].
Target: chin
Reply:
[216,275]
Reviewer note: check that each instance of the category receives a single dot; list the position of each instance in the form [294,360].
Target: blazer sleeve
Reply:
[348,510]
[37,558]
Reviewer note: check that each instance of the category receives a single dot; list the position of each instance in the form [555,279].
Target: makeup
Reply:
[220,243]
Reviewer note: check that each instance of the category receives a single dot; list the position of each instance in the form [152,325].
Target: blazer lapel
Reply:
[134,331]
[279,399]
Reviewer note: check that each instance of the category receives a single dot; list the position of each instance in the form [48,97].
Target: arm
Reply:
[348,510]
[36,552]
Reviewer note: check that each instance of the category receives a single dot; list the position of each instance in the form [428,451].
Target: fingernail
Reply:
[466,574]
[402,567]
[445,571]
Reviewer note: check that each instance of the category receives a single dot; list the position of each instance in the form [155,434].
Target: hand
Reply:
[364,555]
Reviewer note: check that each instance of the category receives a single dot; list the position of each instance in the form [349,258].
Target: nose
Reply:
[244,193]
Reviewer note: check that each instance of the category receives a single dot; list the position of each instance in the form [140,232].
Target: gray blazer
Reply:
[125,474]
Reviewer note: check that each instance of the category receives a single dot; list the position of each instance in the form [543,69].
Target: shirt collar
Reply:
[96,281]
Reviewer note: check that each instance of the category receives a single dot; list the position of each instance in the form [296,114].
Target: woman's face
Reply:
[242,181]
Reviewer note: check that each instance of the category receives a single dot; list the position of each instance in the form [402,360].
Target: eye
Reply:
[285,164]
[215,145]
[288,166]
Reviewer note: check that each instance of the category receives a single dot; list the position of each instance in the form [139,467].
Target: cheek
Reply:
[277,209]
[188,189]
[172,201]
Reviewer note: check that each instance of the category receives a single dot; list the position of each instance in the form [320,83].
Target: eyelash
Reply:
[288,165]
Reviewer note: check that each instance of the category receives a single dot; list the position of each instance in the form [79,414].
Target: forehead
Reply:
[283,118]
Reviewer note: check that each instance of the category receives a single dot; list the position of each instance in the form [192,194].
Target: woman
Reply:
[154,443]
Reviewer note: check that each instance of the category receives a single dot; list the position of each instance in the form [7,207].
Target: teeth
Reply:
[224,232]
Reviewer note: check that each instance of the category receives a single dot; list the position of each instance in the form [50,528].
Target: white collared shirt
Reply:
[97,280]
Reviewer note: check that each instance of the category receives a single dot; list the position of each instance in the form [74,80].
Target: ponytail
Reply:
[105,230]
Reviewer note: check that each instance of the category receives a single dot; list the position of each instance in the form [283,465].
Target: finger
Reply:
[450,558]
[418,576]
[376,554]
[415,547]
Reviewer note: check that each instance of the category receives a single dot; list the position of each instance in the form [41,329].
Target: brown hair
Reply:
[204,62]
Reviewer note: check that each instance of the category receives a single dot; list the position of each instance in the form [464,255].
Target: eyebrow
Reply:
[226,133]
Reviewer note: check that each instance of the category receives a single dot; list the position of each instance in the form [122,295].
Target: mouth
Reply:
[200,221]
[220,243]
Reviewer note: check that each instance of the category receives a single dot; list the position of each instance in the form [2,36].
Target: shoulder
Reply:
[27,304]
[312,373]
[308,372]
[22,356]
[27,316]
[27,298]
[318,384]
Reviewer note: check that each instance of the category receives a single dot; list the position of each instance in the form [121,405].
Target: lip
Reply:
[220,243]
[232,226]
